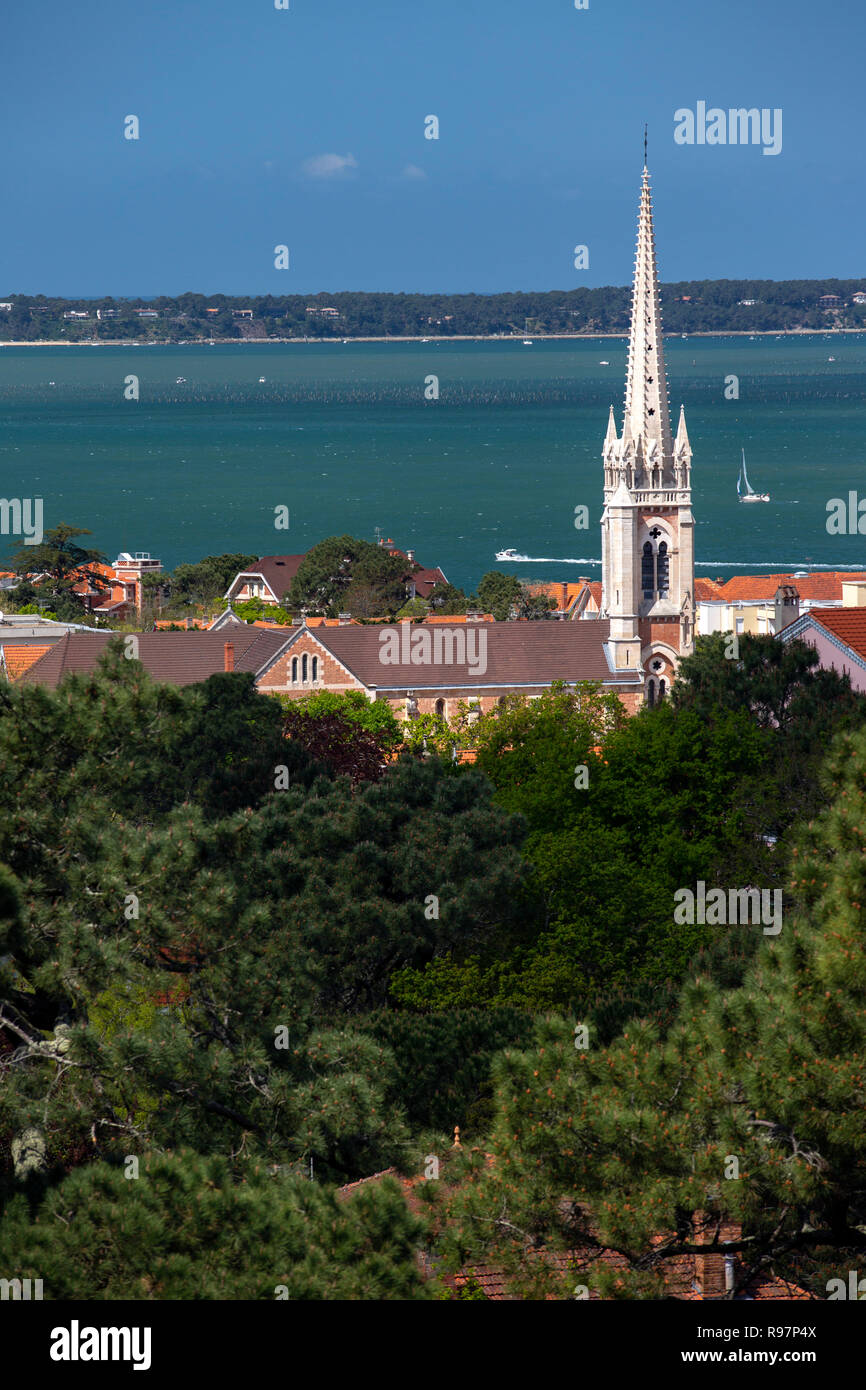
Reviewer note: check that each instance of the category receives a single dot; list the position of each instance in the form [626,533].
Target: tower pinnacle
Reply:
[646,392]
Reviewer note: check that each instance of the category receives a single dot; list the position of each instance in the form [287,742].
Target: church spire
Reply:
[647,527]
[646,396]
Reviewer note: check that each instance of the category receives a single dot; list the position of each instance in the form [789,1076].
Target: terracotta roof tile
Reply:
[706,589]
[456,618]
[20,657]
[825,584]
[177,658]
[848,624]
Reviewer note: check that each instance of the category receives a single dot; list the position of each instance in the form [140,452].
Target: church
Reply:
[647,529]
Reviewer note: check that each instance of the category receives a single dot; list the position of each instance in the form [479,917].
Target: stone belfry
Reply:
[647,528]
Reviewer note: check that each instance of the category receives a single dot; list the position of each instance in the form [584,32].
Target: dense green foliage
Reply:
[747,1109]
[203,582]
[246,942]
[658,811]
[690,306]
[60,562]
[353,736]
[183,1228]
[344,574]
[151,859]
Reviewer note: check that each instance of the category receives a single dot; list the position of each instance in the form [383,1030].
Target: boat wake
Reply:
[542,560]
[781,566]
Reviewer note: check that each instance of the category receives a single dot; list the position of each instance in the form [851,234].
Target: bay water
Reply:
[351,437]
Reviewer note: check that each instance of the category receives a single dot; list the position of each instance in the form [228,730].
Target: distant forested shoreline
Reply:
[689,306]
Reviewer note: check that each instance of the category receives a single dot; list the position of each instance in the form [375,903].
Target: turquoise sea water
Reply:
[343,436]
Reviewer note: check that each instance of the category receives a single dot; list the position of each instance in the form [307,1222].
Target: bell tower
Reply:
[647,528]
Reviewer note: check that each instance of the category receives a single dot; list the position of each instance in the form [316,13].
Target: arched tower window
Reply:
[655,564]
[662,569]
[647,571]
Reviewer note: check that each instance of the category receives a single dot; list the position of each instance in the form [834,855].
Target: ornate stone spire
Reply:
[647,528]
[646,393]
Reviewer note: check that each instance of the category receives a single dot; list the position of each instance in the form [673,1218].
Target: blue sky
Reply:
[305,127]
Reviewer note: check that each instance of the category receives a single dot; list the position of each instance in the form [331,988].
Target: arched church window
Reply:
[655,566]
[294,670]
[315,669]
[663,570]
[304,669]
[661,691]
[650,693]
[647,571]
[440,708]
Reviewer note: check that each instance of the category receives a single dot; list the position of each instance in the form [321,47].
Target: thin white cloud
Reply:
[329,166]
[412,171]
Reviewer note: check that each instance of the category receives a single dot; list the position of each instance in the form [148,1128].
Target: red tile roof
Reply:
[455,618]
[165,624]
[681,1278]
[689,1278]
[825,584]
[19,657]
[177,658]
[565,593]
[278,571]
[848,624]
[706,589]
[425,580]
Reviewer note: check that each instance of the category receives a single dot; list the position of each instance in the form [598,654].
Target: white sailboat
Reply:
[745,491]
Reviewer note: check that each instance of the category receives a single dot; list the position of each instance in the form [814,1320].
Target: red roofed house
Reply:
[270,578]
[580,599]
[16,658]
[767,603]
[25,638]
[838,635]
[176,658]
[690,1278]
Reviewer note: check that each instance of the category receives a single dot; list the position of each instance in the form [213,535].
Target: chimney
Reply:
[711,1273]
[229,656]
[344,619]
[730,1273]
[853,593]
[410,554]
[786,603]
